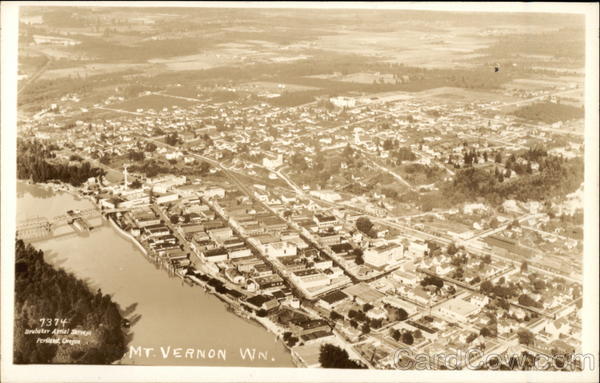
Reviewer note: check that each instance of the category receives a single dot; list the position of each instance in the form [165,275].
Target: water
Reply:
[165,312]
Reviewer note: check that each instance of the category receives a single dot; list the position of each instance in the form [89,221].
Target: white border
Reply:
[12,373]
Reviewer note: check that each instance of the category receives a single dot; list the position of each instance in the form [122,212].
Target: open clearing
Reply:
[92,70]
[153,101]
[266,86]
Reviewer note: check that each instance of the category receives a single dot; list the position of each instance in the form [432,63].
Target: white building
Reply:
[384,255]
[272,161]
[343,102]
[280,249]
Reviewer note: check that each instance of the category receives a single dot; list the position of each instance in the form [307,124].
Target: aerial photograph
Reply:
[312,188]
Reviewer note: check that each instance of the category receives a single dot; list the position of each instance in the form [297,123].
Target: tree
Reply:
[172,139]
[486,287]
[498,158]
[261,313]
[150,147]
[407,338]
[432,280]
[485,331]
[331,356]
[396,334]
[359,259]
[335,316]
[526,300]
[364,224]
[452,249]
[366,328]
[366,307]
[526,337]
[174,219]
[136,184]
[471,337]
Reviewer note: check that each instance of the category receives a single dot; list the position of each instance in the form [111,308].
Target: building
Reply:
[384,255]
[271,161]
[457,309]
[362,293]
[331,300]
[343,102]
[220,234]
[215,255]
[166,198]
[262,302]
[406,277]
[325,221]
[280,249]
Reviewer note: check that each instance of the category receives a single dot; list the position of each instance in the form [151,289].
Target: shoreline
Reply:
[231,306]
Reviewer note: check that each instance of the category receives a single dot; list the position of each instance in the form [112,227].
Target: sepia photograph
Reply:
[376,191]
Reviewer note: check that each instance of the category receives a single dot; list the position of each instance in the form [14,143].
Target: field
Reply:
[153,101]
[92,70]
[196,62]
[264,86]
[412,48]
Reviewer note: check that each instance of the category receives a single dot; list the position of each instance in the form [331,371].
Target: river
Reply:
[166,313]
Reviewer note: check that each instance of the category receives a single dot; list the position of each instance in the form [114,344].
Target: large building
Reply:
[381,256]
[457,309]
[343,102]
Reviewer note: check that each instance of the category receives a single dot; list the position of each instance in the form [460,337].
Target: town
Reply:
[441,220]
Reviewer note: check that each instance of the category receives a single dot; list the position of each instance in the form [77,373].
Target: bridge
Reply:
[42,227]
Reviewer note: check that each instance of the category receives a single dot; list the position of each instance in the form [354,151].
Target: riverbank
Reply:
[163,311]
[234,306]
[41,294]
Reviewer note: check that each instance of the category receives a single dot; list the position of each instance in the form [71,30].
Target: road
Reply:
[487,233]
[119,110]
[36,75]
[537,98]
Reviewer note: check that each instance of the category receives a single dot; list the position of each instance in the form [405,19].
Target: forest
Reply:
[549,112]
[32,162]
[556,177]
[41,291]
